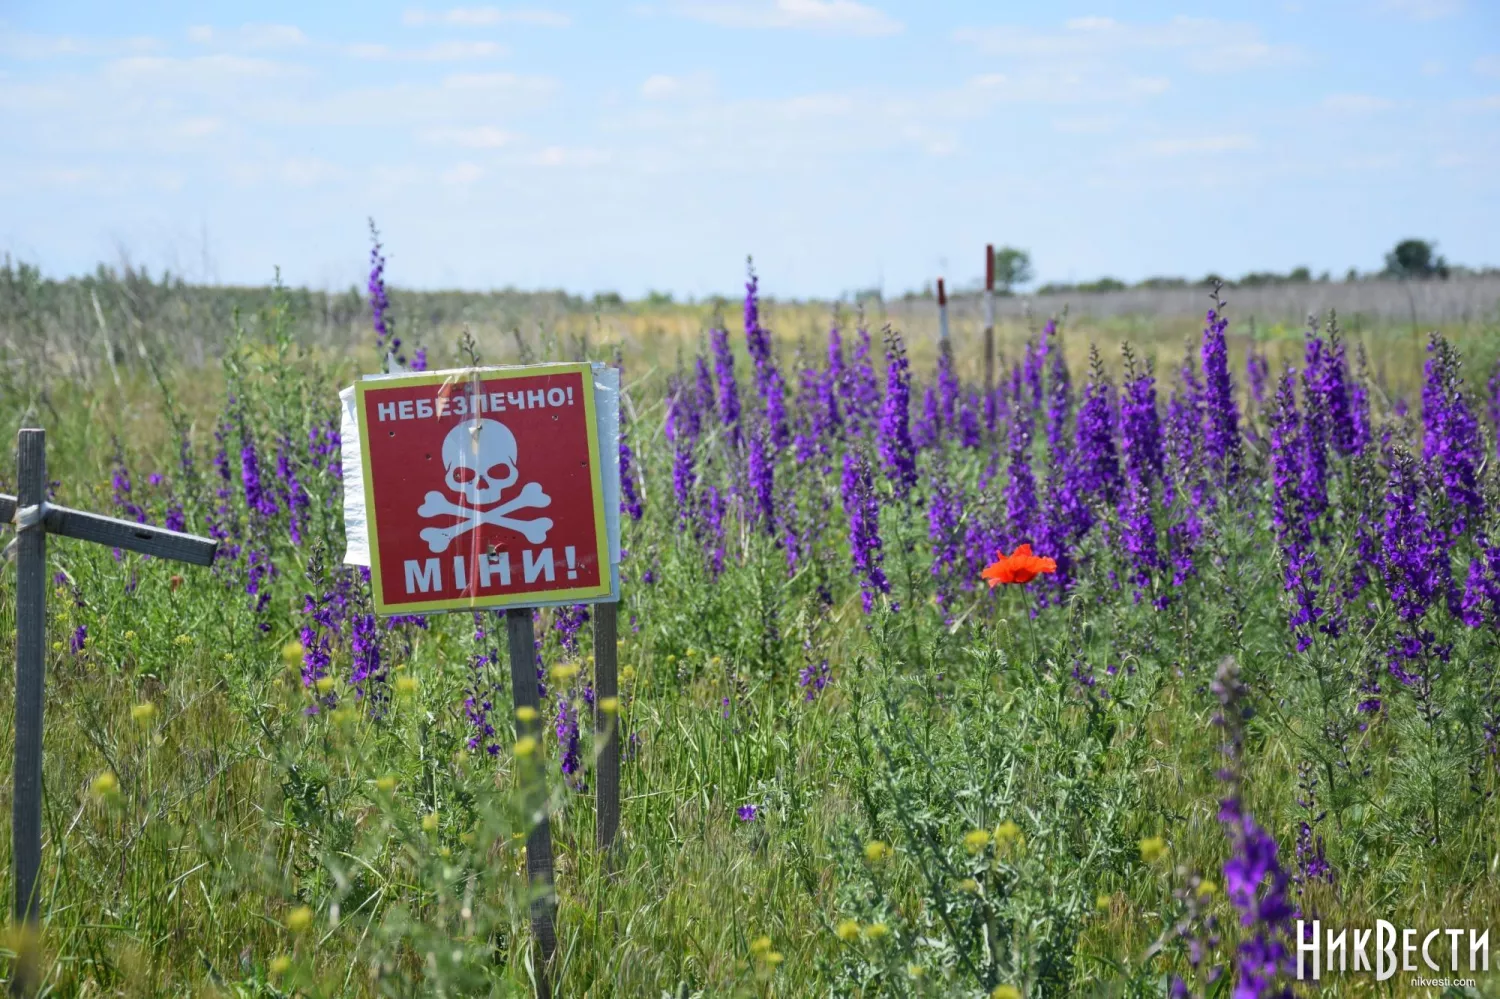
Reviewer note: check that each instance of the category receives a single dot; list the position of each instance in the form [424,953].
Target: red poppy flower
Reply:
[1020,566]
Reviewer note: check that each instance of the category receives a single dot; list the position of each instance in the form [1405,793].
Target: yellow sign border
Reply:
[585,594]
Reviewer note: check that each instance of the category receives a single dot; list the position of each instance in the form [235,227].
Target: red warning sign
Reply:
[483,488]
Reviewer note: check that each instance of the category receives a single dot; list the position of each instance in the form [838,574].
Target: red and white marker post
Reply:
[989,317]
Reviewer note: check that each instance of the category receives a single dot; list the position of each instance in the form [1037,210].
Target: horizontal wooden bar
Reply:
[117,533]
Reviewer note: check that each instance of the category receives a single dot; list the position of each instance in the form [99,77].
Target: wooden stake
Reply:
[606,728]
[524,693]
[31,634]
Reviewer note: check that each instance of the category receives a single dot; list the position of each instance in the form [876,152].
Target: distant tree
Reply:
[1415,258]
[1300,274]
[1012,268]
[658,298]
[1103,284]
[1352,276]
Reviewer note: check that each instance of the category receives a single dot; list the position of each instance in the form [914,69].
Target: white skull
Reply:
[480,458]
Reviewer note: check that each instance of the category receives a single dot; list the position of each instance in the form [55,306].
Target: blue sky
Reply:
[844,143]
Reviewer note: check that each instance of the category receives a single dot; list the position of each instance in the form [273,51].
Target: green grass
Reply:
[235,807]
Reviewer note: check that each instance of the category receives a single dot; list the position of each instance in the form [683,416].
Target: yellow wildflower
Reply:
[526,745]
[406,685]
[1206,890]
[847,930]
[876,851]
[915,971]
[1103,901]
[291,652]
[760,945]
[143,713]
[386,783]
[105,785]
[977,840]
[526,713]
[281,964]
[563,672]
[183,640]
[130,636]
[1005,992]
[1153,848]
[969,885]
[773,958]
[877,931]
[324,684]
[299,919]
[1007,833]
[609,705]
[430,822]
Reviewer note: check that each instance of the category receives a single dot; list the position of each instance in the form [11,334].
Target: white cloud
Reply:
[479,17]
[195,72]
[248,36]
[1206,45]
[1357,103]
[461,174]
[16,45]
[438,52]
[845,17]
[1423,10]
[478,137]
[1198,145]
[662,87]
[563,156]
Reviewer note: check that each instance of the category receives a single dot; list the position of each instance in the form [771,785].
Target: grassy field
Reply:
[851,768]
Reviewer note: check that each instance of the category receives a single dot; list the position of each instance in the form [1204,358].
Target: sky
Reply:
[845,144]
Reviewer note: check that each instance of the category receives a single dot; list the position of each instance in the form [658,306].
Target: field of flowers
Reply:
[1089,684]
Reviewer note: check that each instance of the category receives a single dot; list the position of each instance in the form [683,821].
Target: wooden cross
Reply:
[34,518]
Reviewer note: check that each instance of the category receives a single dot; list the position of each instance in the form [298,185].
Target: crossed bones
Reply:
[437,505]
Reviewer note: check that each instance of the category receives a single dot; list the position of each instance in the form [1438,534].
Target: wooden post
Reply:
[989,317]
[606,728]
[31,635]
[524,692]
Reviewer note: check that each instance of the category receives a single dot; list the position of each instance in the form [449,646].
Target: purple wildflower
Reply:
[896,450]
[863,510]
[1221,429]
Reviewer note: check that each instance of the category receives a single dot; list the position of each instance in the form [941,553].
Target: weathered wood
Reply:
[117,533]
[31,634]
[606,728]
[524,692]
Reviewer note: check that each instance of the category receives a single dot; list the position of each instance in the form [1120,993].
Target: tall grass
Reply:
[872,746]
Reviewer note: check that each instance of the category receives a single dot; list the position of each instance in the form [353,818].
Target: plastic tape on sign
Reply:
[29,516]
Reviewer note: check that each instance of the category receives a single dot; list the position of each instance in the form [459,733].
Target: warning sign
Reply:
[483,488]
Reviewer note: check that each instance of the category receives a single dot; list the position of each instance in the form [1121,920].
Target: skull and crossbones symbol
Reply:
[479,458]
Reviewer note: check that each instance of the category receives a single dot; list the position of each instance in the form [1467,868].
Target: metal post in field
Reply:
[31,634]
[524,692]
[989,317]
[606,727]
[34,518]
